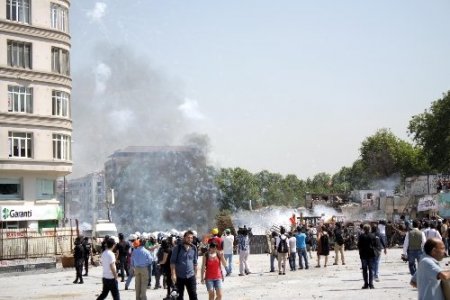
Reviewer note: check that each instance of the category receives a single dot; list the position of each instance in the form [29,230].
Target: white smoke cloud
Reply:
[102,74]
[122,119]
[97,13]
[191,110]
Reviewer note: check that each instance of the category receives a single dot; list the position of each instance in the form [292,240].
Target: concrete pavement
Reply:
[332,282]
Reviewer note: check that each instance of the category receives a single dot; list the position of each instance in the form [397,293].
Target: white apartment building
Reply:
[35,110]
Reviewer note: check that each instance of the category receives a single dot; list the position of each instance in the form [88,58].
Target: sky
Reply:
[292,87]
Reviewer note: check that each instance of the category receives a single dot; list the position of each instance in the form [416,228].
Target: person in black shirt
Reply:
[122,248]
[78,256]
[367,246]
[87,247]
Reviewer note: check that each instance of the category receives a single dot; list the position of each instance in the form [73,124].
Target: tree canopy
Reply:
[431,130]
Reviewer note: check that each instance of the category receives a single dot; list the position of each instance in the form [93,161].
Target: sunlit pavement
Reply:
[332,282]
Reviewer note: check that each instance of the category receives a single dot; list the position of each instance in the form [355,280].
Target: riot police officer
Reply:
[87,254]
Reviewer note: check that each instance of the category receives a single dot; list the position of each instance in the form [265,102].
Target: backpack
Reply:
[339,239]
[282,245]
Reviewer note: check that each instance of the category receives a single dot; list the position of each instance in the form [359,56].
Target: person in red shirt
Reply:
[212,272]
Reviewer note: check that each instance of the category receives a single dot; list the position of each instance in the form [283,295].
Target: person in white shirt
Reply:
[293,250]
[432,232]
[228,245]
[282,245]
[109,272]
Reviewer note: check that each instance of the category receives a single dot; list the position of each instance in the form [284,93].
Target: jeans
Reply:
[292,260]
[367,264]
[376,264]
[229,259]
[302,253]
[413,255]
[130,276]
[109,285]
[243,264]
[273,256]
[150,269]
[191,287]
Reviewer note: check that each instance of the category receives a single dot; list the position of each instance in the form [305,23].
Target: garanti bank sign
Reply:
[25,213]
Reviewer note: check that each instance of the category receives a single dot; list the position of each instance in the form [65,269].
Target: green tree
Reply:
[237,186]
[384,155]
[431,131]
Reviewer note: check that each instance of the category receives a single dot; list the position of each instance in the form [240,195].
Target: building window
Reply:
[10,188]
[19,54]
[18,10]
[45,189]
[62,147]
[60,17]
[20,144]
[20,99]
[60,104]
[60,61]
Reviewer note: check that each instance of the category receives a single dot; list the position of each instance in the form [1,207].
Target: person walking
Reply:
[323,246]
[292,251]
[380,245]
[338,244]
[167,246]
[109,279]
[301,248]
[87,247]
[244,251]
[228,245]
[211,272]
[282,243]
[366,246]
[183,266]
[78,256]
[135,243]
[122,248]
[273,250]
[429,273]
[140,260]
[413,245]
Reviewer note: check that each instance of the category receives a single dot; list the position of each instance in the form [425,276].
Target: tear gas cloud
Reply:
[123,101]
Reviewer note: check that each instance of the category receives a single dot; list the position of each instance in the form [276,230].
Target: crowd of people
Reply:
[172,260]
